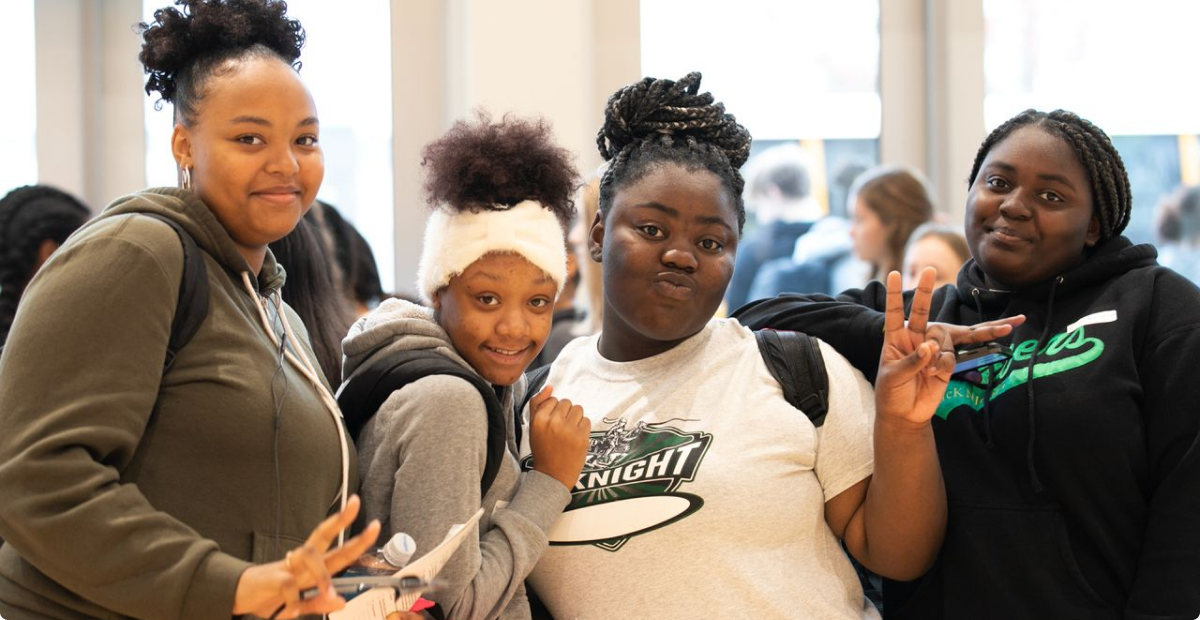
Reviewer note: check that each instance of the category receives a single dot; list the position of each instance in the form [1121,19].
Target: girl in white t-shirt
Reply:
[704,491]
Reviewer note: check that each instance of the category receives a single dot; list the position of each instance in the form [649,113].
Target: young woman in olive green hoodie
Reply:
[202,491]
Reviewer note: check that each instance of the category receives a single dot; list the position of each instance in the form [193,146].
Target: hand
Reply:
[915,366]
[980,332]
[273,590]
[403,615]
[558,437]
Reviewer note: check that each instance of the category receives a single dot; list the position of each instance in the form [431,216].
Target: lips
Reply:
[506,356]
[1007,235]
[675,285]
[280,194]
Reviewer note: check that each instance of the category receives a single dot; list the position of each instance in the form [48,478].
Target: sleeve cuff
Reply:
[214,587]
[540,498]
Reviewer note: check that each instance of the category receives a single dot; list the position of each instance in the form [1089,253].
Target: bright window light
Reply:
[18,107]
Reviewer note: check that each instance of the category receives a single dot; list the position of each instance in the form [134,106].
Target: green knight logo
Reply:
[629,484]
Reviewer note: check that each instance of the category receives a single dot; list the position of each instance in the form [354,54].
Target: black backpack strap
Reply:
[192,307]
[535,380]
[365,392]
[795,361]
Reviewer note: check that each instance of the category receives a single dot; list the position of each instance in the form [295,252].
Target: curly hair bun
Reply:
[654,107]
[213,30]
[482,164]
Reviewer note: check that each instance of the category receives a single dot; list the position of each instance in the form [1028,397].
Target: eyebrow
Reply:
[703,219]
[496,278]
[258,120]
[1045,177]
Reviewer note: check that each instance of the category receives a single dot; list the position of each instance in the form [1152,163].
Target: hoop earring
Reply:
[187,178]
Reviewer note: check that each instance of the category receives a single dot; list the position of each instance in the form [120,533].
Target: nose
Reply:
[283,161]
[1014,206]
[680,256]
[513,323]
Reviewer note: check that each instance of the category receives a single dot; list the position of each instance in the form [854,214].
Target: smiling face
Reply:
[1030,213]
[253,151]
[498,313]
[666,248]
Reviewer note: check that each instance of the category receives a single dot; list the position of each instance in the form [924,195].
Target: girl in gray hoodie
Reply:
[493,261]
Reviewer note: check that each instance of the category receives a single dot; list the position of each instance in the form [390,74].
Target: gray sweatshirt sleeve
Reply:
[436,431]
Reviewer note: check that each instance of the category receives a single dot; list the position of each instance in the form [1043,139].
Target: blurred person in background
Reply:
[355,261]
[937,245]
[779,193]
[889,203]
[1178,223]
[34,221]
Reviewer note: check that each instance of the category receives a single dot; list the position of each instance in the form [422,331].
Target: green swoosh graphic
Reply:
[960,393]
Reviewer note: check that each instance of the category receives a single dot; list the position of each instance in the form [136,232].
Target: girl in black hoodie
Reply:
[1076,494]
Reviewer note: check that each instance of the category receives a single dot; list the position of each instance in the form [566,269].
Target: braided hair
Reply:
[1111,194]
[485,165]
[655,121]
[29,216]
[181,50]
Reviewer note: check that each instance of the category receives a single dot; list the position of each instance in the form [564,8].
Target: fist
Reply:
[558,437]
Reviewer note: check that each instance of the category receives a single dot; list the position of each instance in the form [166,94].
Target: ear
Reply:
[437,299]
[596,238]
[47,248]
[1093,232]
[181,146]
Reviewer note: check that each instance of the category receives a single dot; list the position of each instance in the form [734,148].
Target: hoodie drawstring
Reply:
[309,372]
[1029,462]
[987,388]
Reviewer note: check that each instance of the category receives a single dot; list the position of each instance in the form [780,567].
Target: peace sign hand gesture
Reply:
[917,359]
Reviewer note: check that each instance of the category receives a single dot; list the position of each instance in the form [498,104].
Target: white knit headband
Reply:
[454,240]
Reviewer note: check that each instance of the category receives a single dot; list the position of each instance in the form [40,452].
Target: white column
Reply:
[956,97]
[89,87]
[903,84]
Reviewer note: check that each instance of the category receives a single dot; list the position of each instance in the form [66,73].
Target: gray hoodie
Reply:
[422,456]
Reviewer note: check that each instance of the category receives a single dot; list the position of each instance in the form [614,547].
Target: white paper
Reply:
[377,603]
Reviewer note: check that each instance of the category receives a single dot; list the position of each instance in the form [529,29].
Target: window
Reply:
[790,70]
[346,64]
[18,107]
[1114,65]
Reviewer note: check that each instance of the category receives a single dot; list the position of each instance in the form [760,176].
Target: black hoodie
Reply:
[1076,495]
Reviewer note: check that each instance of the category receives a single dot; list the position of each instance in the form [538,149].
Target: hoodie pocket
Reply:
[1014,562]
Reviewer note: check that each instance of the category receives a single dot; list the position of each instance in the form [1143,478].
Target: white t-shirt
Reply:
[704,490]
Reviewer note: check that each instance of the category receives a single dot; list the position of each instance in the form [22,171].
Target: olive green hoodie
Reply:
[127,492]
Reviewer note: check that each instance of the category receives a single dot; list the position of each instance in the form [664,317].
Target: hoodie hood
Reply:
[1114,257]
[185,208]
[396,325]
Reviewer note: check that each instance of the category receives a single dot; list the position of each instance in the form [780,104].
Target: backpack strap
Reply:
[535,380]
[362,396]
[795,360]
[192,307]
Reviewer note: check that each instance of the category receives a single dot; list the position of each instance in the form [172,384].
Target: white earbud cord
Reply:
[308,370]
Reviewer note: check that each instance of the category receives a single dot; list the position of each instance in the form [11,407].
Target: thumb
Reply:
[907,367]
[539,398]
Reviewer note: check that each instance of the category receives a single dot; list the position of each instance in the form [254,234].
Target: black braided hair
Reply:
[1111,194]
[181,50]
[655,121]
[482,164]
[29,216]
